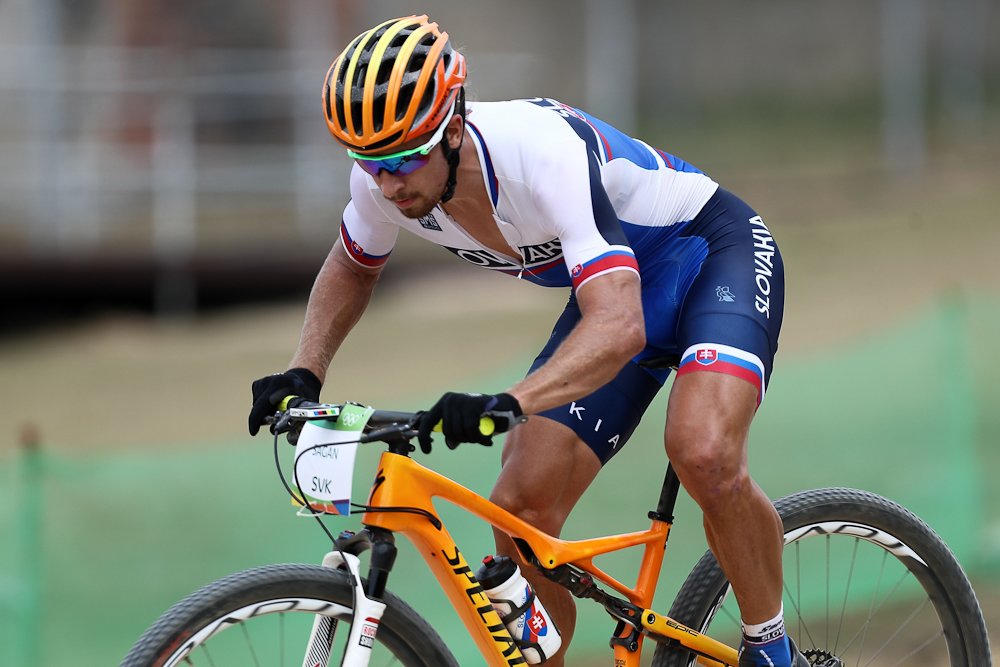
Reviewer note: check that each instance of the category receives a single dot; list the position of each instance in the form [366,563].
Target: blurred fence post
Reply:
[961,421]
[312,28]
[29,540]
[611,57]
[964,27]
[41,72]
[174,204]
[904,50]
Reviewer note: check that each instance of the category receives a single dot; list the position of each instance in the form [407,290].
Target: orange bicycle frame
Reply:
[403,483]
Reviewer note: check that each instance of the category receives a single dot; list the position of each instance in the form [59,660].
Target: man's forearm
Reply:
[610,333]
[338,299]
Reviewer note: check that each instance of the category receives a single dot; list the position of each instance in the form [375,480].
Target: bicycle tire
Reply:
[860,522]
[261,597]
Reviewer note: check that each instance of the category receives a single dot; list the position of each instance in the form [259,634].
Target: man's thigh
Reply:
[708,420]
[546,468]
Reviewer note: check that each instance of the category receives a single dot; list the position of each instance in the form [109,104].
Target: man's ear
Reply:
[453,133]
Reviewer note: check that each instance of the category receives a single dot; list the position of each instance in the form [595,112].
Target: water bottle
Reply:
[520,610]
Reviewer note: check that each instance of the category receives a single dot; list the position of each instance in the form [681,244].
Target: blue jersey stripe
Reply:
[491,176]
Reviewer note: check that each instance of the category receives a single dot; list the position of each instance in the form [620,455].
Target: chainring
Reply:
[818,658]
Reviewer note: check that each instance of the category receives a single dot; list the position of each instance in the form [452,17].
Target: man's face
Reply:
[417,193]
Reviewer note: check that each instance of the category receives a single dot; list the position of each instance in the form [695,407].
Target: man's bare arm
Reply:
[339,297]
[610,332]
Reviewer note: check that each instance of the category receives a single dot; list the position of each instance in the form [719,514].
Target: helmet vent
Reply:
[399,39]
[359,75]
[356,113]
[378,112]
[426,102]
[340,106]
[373,42]
[383,74]
[403,102]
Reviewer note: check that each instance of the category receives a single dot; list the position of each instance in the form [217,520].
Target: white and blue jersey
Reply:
[577,199]
[574,195]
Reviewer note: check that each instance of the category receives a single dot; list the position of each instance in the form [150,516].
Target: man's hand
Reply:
[460,415]
[268,392]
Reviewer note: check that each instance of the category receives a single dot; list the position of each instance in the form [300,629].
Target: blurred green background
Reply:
[168,190]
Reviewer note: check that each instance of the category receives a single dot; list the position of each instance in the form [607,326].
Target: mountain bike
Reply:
[866,581]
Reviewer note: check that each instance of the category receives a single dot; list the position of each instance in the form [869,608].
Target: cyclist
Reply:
[661,261]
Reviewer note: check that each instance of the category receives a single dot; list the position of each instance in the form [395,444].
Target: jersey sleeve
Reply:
[367,233]
[567,190]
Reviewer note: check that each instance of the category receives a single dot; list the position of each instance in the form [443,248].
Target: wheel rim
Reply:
[269,633]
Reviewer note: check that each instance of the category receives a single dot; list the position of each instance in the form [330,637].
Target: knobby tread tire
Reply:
[944,579]
[414,642]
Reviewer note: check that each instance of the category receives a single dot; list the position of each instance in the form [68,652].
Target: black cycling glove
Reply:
[268,392]
[460,414]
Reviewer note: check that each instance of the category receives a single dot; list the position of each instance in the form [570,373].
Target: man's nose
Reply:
[390,184]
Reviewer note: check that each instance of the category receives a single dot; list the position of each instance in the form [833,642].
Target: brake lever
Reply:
[283,424]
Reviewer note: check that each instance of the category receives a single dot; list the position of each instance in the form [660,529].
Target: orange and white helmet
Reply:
[394,82]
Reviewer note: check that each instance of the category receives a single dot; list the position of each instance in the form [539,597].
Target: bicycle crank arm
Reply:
[664,627]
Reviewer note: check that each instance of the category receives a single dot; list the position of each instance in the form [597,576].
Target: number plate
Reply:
[324,460]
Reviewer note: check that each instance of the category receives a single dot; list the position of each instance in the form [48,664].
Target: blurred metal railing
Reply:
[70,167]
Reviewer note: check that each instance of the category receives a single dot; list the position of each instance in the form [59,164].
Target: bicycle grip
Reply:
[486,426]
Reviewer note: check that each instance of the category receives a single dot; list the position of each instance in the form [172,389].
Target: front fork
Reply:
[368,606]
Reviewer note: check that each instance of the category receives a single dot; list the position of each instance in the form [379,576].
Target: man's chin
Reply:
[419,208]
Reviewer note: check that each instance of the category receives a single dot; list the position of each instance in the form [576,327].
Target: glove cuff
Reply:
[306,383]
[509,403]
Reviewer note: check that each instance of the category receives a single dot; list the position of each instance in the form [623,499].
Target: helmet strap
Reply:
[452,154]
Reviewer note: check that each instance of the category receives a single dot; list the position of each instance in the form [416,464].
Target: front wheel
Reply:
[866,583]
[264,616]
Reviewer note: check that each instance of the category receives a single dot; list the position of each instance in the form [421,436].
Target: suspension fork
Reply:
[368,597]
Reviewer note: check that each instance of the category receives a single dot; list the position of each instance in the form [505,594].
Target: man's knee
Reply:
[710,465]
[531,504]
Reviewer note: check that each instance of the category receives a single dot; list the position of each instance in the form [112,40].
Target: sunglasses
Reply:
[403,162]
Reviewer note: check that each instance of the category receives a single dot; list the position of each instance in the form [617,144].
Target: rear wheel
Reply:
[866,582]
[264,617]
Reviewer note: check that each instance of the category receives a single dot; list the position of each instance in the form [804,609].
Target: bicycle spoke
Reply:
[898,630]
[940,633]
[847,590]
[735,621]
[243,626]
[798,585]
[801,621]
[902,578]
[281,638]
[826,605]
[208,656]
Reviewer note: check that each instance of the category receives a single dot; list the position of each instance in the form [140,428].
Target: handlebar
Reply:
[293,411]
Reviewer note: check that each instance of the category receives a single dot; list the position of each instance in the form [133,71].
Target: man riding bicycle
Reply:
[666,269]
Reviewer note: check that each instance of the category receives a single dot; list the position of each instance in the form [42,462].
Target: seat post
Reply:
[668,497]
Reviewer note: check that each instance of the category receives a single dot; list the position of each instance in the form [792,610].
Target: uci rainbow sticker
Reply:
[324,460]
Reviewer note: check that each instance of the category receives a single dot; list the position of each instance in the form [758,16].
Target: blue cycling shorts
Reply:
[712,297]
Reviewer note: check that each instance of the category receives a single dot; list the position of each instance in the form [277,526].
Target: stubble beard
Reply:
[422,206]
